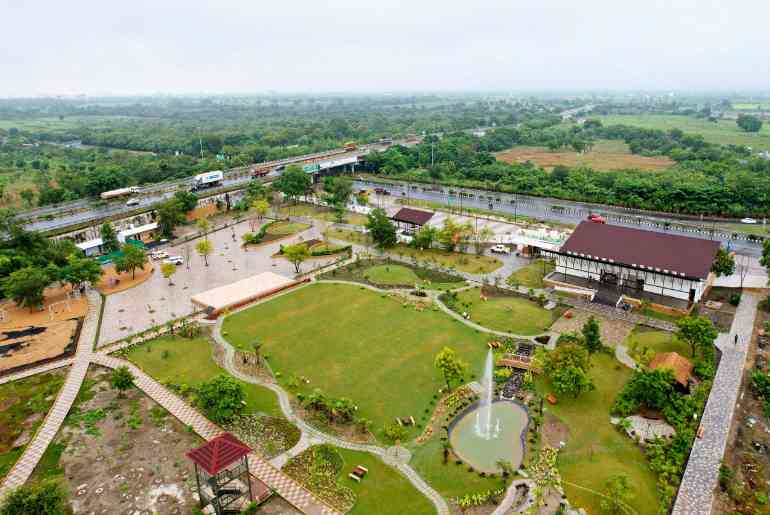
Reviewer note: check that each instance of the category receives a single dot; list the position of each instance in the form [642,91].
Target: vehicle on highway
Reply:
[208,180]
[748,221]
[159,254]
[132,202]
[259,172]
[174,260]
[381,191]
[596,218]
[351,145]
[500,249]
[120,192]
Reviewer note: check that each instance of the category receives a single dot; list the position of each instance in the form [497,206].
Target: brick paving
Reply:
[37,370]
[696,492]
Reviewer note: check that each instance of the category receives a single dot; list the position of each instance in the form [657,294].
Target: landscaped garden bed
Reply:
[379,354]
[644,342]
[385,273]
[502,311]
[273,231]
[531,275]
[320,248]
[383,490]
[23,406]
[322,213]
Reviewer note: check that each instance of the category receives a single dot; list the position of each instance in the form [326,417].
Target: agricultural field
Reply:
[605,155]
[724,132]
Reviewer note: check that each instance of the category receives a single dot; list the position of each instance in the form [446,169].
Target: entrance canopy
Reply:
[243,291]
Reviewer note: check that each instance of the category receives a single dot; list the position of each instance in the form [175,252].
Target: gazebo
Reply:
[411,220]
[222,475]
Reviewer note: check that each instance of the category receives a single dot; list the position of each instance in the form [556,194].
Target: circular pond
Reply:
[506,443]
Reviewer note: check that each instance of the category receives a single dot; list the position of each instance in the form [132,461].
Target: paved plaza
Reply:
[154,302]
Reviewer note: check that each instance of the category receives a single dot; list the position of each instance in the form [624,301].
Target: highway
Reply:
[556,210]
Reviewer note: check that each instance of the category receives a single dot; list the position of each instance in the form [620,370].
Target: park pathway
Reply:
[285,486]
[696,492]
[396,457]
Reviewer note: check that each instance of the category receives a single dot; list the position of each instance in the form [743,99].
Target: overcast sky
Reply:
[254,46]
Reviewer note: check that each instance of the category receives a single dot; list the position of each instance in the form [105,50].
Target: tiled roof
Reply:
[680,365]
[219,453]
[412,216]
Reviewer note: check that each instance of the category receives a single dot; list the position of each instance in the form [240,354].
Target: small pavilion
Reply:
[411,220]
[223,478]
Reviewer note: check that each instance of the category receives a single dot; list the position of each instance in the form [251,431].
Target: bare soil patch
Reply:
[16,316]
[32,344]
[598,159]
[114,282]
[202,212]
[612,332]
[123,455]
[554,431]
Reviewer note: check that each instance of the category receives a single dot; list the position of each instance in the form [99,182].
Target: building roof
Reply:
[242,291]
[124,235]
[647,250]
[219,453]
[412,216]
[680,365]
[90,244]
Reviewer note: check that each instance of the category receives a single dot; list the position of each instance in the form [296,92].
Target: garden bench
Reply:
[406,421]
[358,473]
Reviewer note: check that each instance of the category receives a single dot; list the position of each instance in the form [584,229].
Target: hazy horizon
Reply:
[240,48]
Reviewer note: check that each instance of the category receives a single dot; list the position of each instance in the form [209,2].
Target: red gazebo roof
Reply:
[218,453]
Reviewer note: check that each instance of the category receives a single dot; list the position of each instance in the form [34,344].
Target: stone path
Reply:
[696,493]
[311,434]
[37,370]
[285,486]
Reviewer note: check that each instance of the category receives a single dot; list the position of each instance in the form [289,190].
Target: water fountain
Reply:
[490,430]
[484,427]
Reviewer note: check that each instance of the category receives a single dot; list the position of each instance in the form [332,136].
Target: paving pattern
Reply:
[696,493]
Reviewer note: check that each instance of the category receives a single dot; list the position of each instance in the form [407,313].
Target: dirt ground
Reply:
[24,347]
[612,331]
[554,431]
[598,159]
[114,282]
[202,212]
[126,455]
[748,448]
[16,316]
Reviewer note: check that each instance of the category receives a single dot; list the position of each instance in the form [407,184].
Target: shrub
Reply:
[122,379]
[221,398]
[393,432]
[47,497]
[735,299]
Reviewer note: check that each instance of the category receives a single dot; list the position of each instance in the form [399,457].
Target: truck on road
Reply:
[121,192]
[208,180]
[351,145]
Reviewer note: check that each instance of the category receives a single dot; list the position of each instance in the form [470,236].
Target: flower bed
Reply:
[269,436]
[317,469]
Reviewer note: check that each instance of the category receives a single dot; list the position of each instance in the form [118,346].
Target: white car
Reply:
[132,202]
[159,254]
[174,260]
[748,221]
[500,249]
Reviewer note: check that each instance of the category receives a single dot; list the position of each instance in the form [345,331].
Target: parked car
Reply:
[500,249]
[748,221]
[599,219]
[159,254]
[175,260]
[132,202]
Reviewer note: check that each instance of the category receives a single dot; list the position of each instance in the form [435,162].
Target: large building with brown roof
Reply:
[636,263]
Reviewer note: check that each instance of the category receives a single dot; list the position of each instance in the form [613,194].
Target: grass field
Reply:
[351,342]
[286,228]
[54,123]
[399,275]
[605,155]
[595,449]
[189,362]
[515,315]
[321,213]
[531,276]
[723,131]
[20,400]
[644,342]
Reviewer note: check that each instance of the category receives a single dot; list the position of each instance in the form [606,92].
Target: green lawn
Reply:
[189,362]
[511,314]
[351,342]
[19,400]
[286,228]
[395,275]
[468,263]
[450,479]
[321,213]
[659,315]
[595,449]
[384,490]
[531,275]
[724,132]
[644,342]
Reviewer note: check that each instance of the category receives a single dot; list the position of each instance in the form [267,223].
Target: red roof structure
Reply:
[661,252]
[412,216]
[219,453]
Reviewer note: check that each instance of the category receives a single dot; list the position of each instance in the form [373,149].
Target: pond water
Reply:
[505,442]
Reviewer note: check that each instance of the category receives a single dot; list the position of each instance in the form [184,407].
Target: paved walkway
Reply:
[286,487]
[696,493]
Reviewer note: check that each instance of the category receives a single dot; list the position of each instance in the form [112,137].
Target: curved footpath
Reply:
[398,458]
